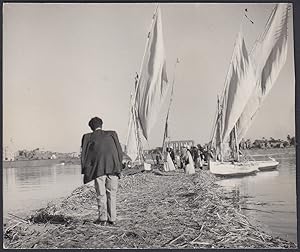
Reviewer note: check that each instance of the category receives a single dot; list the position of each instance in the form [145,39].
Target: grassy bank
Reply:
[155,210]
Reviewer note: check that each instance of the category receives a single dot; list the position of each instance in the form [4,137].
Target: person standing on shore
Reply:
[101,161]
[187,161]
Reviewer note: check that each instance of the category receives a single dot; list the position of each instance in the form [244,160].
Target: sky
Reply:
[66,63]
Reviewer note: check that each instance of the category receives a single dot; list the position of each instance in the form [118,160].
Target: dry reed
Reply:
[155,210]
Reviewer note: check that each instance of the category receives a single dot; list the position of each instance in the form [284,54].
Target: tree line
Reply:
[268,143]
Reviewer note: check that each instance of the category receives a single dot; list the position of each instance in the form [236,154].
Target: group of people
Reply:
[199,156]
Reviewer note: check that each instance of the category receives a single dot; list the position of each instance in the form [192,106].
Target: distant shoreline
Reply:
[76,161]
[271,148]
[39,162]
[268,149]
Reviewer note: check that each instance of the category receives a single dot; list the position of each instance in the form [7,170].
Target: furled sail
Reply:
[239,85]
[132,149]
[268,55]
[166,133]
[153,82]
[216,141]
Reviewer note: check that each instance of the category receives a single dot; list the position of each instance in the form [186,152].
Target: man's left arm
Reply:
[118,145]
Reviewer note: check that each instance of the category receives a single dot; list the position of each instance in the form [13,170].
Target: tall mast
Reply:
[171,99]
[136,128]
[215,121]
[236,144]
[219,123]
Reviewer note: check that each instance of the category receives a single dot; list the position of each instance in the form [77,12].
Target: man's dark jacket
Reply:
[101,154]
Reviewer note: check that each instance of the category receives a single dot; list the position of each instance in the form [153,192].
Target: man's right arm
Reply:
[84,147]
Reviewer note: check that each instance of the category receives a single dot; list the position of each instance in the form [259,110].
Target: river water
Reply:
[268,197]
[29,188]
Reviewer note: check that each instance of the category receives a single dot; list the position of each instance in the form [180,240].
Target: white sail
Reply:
[239,85]
[269,56]
[153,82]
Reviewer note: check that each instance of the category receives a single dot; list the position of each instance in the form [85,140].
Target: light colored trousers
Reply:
[106,189]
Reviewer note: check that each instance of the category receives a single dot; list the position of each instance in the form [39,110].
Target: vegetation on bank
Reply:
[38,154]
[155,210]
[268,143]
[263,143]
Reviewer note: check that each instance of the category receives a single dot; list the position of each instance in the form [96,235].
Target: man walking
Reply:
[101,161]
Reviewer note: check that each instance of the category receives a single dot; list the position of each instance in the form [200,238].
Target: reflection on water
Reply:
[270,197]
[33,187]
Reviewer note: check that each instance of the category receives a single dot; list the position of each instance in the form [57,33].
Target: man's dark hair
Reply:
[95,123]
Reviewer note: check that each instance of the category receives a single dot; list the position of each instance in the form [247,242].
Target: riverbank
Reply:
[155,210]
[39,162]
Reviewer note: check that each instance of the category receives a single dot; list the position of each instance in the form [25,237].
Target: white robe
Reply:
[190,168]
[168,163]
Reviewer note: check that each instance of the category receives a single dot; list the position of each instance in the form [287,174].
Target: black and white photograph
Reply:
[149,126]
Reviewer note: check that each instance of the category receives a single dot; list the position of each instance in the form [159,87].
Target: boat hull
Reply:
[228,169]
[268,165]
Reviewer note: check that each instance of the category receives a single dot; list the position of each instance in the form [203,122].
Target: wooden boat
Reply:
[240,100]
[239,84]
[267,165]
[269,52]
[234,169]
[149,93]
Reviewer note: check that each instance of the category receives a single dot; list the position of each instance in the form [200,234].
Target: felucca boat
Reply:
[266,61]
[239,84]
[268,55]
[151,86]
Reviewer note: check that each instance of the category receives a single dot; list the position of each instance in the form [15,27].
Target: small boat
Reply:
[267,165]
[233,169]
